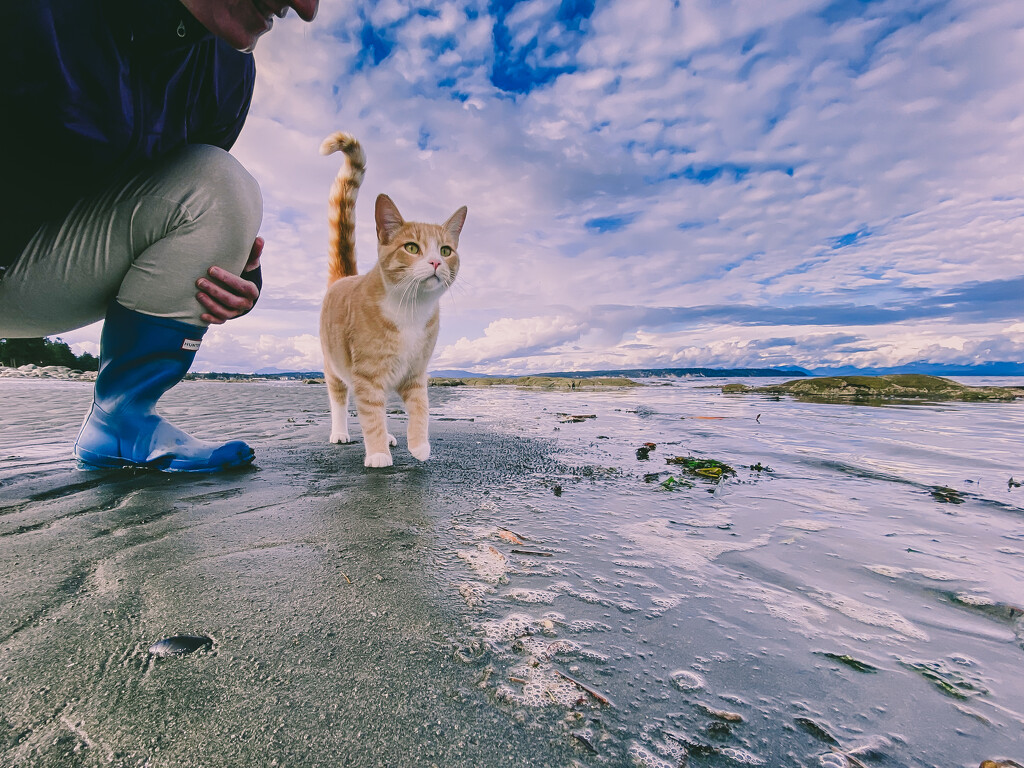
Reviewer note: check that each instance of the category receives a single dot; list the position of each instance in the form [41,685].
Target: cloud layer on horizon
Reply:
[658,184]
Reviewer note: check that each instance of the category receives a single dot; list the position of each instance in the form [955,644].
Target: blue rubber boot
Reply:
[141,357]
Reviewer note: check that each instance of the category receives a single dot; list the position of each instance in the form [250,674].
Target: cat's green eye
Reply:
[446,250]
[412,248]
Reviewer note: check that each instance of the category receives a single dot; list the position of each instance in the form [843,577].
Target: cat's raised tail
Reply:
[341,211]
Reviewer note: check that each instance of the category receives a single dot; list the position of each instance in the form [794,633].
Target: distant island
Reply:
[879,389]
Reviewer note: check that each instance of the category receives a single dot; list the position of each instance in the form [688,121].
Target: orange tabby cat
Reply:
[378,330]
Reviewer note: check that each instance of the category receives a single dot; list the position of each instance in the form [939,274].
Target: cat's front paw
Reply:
[421,451]
[339,438]
[377,460]
[392,440]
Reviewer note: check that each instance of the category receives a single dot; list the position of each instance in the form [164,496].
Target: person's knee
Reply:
[229,197]
[198,209]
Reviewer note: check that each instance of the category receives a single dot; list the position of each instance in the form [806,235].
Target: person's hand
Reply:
[226,295]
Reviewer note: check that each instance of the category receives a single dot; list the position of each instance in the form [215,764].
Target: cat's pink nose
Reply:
[435,263]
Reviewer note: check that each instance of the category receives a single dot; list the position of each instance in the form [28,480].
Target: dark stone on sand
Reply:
[180,645]
[879,388]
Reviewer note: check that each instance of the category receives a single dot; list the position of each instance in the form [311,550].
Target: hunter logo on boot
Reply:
[191,345]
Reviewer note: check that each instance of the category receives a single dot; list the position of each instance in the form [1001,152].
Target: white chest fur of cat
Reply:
[379,329]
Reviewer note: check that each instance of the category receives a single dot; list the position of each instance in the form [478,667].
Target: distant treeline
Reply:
[18,352]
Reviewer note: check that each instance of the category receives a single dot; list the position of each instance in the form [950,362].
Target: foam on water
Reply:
[806,524]
[541,686]
[631,563]
[660,538]
[539,596]
[868,614]
[642,757]
[894,572]
[788,606]
[685,680]
[510,628]
[741,756]
[488,563]
[474,593]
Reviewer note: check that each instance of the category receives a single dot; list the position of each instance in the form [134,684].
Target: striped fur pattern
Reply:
[341,210]
[378,329]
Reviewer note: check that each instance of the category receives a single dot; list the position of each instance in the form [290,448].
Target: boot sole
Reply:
[90,460]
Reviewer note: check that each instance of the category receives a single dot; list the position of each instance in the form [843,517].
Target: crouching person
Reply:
[122,203]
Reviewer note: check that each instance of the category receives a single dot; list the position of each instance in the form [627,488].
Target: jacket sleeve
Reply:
[229,98]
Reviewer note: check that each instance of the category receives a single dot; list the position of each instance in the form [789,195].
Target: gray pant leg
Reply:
[144,241]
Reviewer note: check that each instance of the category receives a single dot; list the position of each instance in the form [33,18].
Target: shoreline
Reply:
[32,371]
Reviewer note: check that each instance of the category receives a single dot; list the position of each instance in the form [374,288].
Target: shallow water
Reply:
[832,604]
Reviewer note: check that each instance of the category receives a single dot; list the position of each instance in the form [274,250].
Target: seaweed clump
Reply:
[711,469]
[945,495]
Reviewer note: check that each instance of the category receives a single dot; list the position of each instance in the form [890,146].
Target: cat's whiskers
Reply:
[459,286]
[406,287]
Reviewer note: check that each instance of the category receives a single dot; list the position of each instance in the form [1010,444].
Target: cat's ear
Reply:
[389,220]
[453,227]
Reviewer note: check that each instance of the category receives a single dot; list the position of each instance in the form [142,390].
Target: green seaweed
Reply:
[817,731]
[949,681]
[945,495]
[711,469]
[672,483]
[852,663]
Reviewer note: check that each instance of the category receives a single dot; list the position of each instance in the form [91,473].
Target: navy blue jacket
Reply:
[92,88]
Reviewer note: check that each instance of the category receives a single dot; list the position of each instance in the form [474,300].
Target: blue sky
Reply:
[689,183]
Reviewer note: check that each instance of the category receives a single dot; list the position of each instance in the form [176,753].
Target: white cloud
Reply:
[509,337]
[695,154]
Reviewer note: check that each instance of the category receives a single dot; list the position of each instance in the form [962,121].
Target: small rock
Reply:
[180,645]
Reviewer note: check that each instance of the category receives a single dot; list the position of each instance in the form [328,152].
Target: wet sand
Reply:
[833,609]
[315,578]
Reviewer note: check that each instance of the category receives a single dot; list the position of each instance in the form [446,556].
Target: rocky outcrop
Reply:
[31,371]
[891,387]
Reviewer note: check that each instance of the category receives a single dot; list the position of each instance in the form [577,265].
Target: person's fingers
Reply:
[225,295]
[254,255]
[226,298]
[233,284]
[216,312]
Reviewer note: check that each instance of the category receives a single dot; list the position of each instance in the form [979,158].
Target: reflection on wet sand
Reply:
[831,611]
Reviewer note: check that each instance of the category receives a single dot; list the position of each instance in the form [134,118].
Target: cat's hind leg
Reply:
[370,401]
[337,392]
[414,395]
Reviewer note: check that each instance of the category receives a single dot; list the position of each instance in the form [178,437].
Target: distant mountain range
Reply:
[932,369]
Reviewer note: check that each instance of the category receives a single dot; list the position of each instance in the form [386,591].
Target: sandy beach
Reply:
[528,597]
[316,579]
